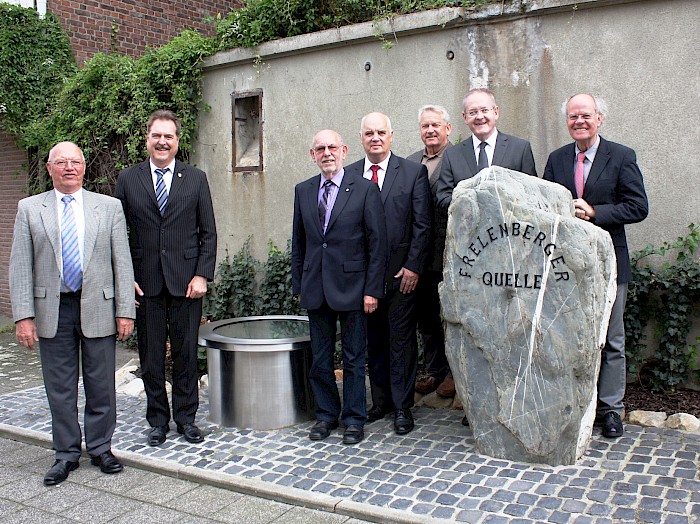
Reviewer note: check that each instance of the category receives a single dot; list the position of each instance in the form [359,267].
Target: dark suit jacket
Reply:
[348,261]
[171,249]
[439,214]
[615,188]
[405,196]
[459,163]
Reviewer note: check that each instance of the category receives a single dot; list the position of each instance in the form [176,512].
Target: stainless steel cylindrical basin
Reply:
[259,371]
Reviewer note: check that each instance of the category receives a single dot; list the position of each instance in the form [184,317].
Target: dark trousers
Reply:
[353,329]
[392,351]
[61,357]
[430,325]
[158,319]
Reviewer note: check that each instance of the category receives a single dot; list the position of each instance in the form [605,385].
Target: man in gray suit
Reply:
[71,283]
[486,147]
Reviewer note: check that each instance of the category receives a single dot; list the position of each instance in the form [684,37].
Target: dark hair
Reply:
[164,114]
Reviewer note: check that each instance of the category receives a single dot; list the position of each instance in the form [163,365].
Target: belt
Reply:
[75,294]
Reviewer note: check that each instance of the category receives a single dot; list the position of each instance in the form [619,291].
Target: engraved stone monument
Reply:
[526,299]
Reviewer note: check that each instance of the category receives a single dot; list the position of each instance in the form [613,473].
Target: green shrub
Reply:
[667,295]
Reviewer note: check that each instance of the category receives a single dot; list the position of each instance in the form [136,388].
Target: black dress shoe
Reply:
[403,421]
[157,435]
[612,425]
[191,432]
[322,429]
[59,471]
[108,463]
[376,413]
[353,434]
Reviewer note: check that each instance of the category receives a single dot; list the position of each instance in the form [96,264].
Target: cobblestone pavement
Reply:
[432,474]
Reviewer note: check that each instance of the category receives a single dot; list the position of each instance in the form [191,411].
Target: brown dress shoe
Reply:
[426,384]
[447,388]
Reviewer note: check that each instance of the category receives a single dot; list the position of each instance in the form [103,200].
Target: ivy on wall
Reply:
[105,105]
[666,294]
[246,287]
[264,20]
[35,60]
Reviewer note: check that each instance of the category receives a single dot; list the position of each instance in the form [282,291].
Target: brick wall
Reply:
[138,24]
[13,177]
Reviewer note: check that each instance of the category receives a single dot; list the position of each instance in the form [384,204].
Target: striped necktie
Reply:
[161,191]
[72,270]
[323,203]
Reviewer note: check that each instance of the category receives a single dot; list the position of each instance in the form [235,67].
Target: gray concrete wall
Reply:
[641,56]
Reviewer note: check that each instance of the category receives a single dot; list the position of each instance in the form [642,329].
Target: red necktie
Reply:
[578,174]
[375,170]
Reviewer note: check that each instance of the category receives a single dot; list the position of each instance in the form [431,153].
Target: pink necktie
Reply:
[375,170]
[578,174]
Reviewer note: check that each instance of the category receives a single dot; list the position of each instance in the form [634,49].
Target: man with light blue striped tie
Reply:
[71,281]
[72,265]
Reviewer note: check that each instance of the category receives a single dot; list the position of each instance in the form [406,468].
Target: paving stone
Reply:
[492,506]
[516,510]
[574,506]
[571,493]
[676,519]
[559,517]
[550,502]
[442,512]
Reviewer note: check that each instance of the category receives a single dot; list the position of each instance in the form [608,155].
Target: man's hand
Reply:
[371,304]
[409,280]
[125,327]
[583,209]
[138,292]
[197,287]
[25,333]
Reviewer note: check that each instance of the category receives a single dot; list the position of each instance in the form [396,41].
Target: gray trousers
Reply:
[613,374]
[61,357]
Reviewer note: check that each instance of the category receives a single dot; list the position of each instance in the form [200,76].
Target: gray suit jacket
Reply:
[35,260]
[459,163]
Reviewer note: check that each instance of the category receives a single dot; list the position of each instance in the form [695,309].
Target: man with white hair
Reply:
[435,129]
[608,190]
[72,291]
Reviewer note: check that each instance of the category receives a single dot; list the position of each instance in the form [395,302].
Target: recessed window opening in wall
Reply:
[247,131]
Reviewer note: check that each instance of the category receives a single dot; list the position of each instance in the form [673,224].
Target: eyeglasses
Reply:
[62,164]
[475,112]
[320,150]
[584,116]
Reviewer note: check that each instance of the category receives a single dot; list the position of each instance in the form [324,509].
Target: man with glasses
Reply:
[486,147]
[338,263]
[71,285]
[608,191]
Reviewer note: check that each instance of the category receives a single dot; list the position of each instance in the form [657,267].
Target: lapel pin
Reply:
[179,175]
[347,189]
